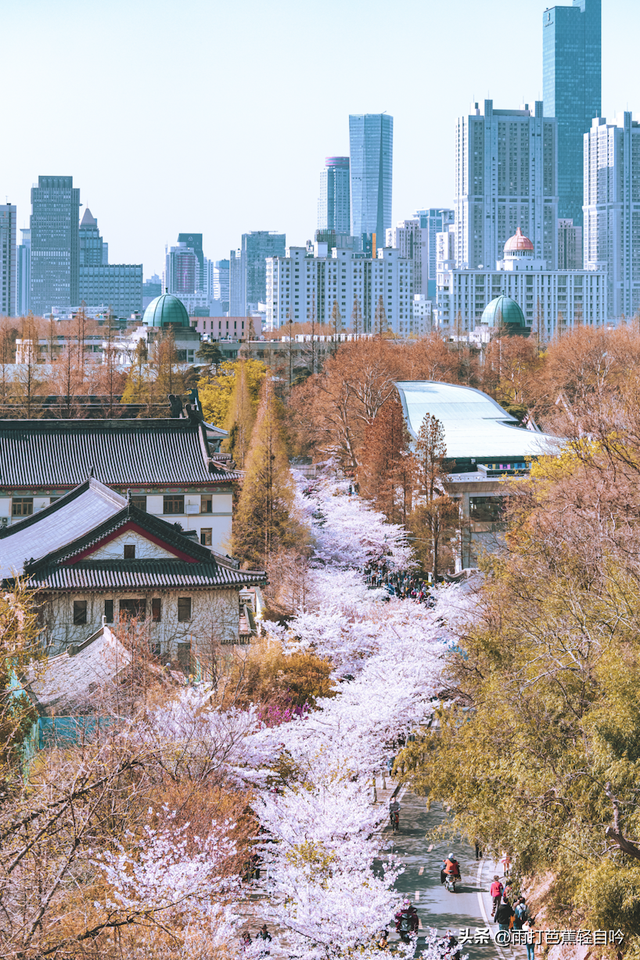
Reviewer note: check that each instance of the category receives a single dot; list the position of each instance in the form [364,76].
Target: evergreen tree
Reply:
[263,524]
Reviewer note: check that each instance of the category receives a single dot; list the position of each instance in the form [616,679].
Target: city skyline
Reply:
[262,174]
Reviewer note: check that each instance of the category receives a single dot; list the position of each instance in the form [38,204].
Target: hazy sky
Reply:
[215,117]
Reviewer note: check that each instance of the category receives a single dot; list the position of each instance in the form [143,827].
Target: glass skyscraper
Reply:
[55,245]
[572,91]
[333,202]
[371,148]
[8,260]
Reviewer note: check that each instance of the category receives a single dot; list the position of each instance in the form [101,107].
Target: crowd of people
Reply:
[403,583]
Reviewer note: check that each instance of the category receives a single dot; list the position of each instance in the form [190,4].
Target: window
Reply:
[156,609]
[206,503]
[79,612]
[184,609]
[129,551]
[108,611]
[133,608]
[486,509]
[22,506]
[139,502]
[173,503]
[206,536]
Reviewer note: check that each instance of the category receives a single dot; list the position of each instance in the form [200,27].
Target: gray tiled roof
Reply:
[73,516]
[140,574]
[44,454]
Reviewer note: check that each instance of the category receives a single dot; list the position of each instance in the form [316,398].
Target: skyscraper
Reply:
[410,240]
[93,250]
[506,177]
[371,149]
[333,202]
[611,205]
[55,244]
[24,273]
[434,221]
[248,279]
[182,271]
[572,90]
[8,260]
[194,242]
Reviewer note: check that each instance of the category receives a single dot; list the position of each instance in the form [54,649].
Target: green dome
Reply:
[166,309]
[503,311]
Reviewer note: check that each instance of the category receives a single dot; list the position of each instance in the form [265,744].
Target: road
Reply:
[421,880]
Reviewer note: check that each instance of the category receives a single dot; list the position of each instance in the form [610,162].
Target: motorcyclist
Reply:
[394,809]
[450,868]
[407,921]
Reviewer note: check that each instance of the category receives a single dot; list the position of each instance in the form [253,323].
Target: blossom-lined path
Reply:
[421,880]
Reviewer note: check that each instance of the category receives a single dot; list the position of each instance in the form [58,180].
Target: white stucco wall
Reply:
[145,549]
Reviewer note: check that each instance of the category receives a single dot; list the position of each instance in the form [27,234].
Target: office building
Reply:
[8,260]
[93,250]
[569,245]
[182,270]
[248,270]
[220,284]
[334,209]
[433,221]
[24,273]
[371,156]
[301,286]
[55,245]
[194,242]
[572,84]
[550,300]
[612,210]
[506,177]
[116,287]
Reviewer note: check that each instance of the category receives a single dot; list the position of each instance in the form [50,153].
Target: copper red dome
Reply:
[518,243]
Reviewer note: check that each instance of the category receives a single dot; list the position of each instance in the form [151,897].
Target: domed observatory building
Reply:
[165,313]
[548,300]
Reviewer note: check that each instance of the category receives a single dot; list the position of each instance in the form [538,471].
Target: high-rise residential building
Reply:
[194,242]
[410,240]
[55,245]
[302,285]
[182,270]
[612,210]
[371,156]
[334,210]
[434,221]
[569,245]
[220,288]
[248,270]
[24,273]
[572,85]
[506,177]
[550,300]
[94,252]
[8,260]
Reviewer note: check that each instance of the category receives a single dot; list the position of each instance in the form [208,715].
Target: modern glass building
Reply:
[8,260]
[572,90]
[24,273]
[93,250]
[114,286]
[333,203]
[434,221]
[371,149]
[194,242]
[256,247]
[55,245]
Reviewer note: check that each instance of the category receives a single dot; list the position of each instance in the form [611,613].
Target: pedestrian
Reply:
[495,891]
[504,912]
[245,941]
[521,913]
[264,935]
[506,863]
[478,850]
[383,940]
[528,926]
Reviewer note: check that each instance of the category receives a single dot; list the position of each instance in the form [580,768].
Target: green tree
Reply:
[211,354]
[215,392]
[263,524]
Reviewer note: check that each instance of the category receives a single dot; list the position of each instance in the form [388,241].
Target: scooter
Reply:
[450,881]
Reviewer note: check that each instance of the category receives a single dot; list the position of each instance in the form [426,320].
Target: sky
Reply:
[215,117]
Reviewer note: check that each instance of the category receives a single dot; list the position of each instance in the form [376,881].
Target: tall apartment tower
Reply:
[572,90]
[569,245]
[434,220]
[24,273]
[411,242]
[55,244]
[256,247]
[506,177]
[371,149]
[612,210]
[194,242]
[8,260]
[334,210]
[182,270]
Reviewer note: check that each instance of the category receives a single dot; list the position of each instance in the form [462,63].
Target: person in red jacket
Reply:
[496,892]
